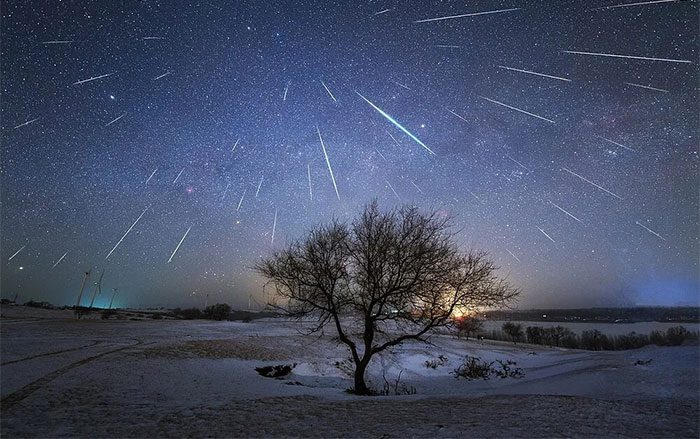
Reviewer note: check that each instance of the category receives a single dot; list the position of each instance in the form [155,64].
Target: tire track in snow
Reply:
[95,343]
[14,398]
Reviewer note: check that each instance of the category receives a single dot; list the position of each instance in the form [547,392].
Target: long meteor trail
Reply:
[545,234]
[274,227]
[162,76]
[591,183]
[179,244]
[178,176]
[517,109]
[562,209]
[649,230]
[58,42]
[126,233]
[59,260]
[94,78]
[615,143]
[328,162]
[473,14]
[241,200]
[235,145]
[613,55]
[626,5]
[26,123]
[646,87]
[534,73]
[110,123]
[259,186]
[329,92]
[16,253]
[396,124]
[151,176]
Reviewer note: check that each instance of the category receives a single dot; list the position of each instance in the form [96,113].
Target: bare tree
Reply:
[468,325]
[398,274]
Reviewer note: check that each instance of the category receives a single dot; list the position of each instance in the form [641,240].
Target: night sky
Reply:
[577,172]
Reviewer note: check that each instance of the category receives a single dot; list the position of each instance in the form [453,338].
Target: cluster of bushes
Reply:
[475,368]
[593,339]
[220,311]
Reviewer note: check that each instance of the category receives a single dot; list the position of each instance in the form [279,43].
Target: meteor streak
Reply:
[380,154]
[329,92]
[416,186]
[235,145]
[58,42]
[457,115]
[447,46]
[615,143]
[392,189]
[259,185]
[646,87]
[16,253]
[26,123]
[152,38]
[393,138]
[330,170]
[517,109]
[286,89]
[450,17]
[59,260]
[127,232]
[241,200]
[178,176]
[534,73]
[151,176]
[225,190]
[649,230]
[400,84]
[396,124]
[590,182]
[308,174]
[513,255]
[274,226]
[179,244]
[545,234]
[94,78]
[612,55]
[161,76]
[525,167]
[110,123]
[560,208]
[382,12]
[625,5]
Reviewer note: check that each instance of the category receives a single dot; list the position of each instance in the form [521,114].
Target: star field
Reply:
[561,136]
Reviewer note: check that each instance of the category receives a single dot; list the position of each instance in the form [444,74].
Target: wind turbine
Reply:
[82,287]
[112,299]
[98,288]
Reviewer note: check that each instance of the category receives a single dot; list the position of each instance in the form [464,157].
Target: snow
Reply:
[61,377]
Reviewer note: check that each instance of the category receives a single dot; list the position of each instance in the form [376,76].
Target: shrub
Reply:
[220,311]
[473,368]
[108,313]
[436,362]
[188,313]
[594,340]
[278,371]
[534,334]
[676,335]
[468,326]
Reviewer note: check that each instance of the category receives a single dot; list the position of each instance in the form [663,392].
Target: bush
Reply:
[473,368]
[108,313]
[594,340]
[436,362]
[631,341]
[534,334]
[220,311]
[188,313]
[278,371]
[676,335]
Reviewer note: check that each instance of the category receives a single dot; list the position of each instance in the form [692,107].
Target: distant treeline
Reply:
[682,314]
[592,340]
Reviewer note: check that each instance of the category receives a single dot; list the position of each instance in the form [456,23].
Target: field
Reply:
[146,378]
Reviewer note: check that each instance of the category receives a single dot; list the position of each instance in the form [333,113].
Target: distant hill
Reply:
[681,314]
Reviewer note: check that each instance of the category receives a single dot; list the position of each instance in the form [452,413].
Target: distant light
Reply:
[111,97]
[21,268]
[544,316]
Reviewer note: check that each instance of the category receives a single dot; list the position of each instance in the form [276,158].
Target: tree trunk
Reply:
[360,385]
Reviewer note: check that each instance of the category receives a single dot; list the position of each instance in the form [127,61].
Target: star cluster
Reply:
[172,144]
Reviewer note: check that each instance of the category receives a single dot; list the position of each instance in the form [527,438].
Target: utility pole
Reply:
[82,287]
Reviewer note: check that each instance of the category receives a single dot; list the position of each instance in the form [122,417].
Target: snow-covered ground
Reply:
[94,378]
